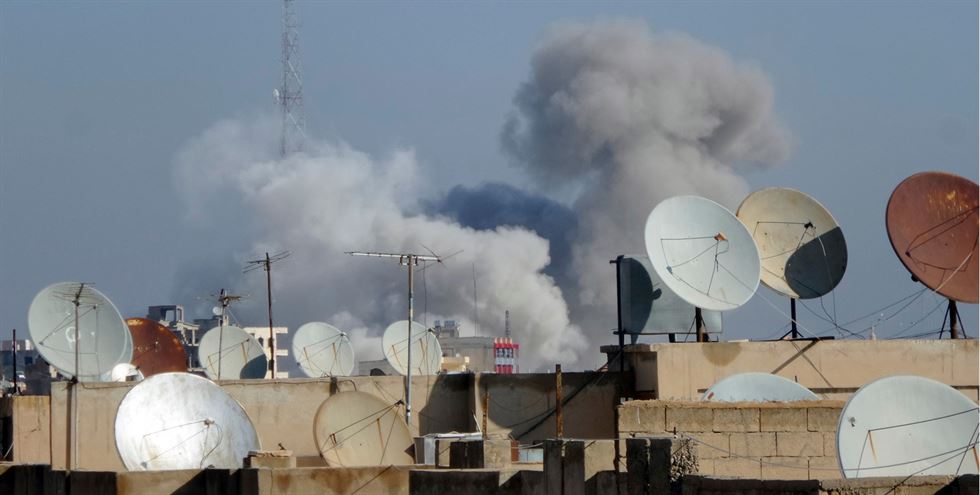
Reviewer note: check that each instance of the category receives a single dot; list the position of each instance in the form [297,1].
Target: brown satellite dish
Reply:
[933,227]
[155,348]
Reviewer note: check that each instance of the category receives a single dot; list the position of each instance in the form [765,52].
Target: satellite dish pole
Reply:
[266,264]
[411,261]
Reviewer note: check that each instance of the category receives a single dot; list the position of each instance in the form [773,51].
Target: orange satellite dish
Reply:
[933,226]
[155,348]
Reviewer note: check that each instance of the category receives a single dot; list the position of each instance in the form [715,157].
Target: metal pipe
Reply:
[486,411]
[954,327]
[699,323]
[272,333]
[411,316]
[559,426]
[792,316]
[14,349]
[619,314]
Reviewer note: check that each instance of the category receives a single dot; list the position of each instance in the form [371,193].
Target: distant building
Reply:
[33,372]
[506,352]
[483,354]
[261,334]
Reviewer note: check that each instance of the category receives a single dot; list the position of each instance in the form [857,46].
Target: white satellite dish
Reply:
[240,356]
[182,421]
[757,387]
[359,429]
[648,306]
[905,426]
[702,252]
[801,246]
[125,372]
[103,337]
[426,351]
[323,350]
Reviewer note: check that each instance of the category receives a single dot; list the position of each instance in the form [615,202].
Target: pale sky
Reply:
[97,100]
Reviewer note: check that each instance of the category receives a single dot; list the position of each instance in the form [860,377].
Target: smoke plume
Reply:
[334,199]
[612,114]
[628,118]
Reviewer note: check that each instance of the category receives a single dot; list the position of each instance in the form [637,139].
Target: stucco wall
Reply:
[790,440]
[29,420]
[833,369]
[283,410]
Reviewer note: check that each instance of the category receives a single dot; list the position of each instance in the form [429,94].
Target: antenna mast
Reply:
[289,96]
[410,260]
[266,264]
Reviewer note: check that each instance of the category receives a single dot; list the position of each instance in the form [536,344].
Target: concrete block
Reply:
[600,455]
[761,444]
[564,467]
[717,445]
[270,459]
[641,417]
[498,453]
[799,444]
[822,418]
[778,419]
[824,468]
[102,482]
[442,451]
[431,482]
[785,468]
[466,454]
[725,419]
[830,444]
[738,467]
[689,419]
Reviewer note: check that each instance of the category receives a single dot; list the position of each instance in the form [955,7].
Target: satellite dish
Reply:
[426,351]
[125,372]
[104,339]
[182,421]
[932,224]
[757,387]
[359,429]
[155,348]
[241,357]
[907,425]
[801,246]
[702,252]
[323,350]
[648,306]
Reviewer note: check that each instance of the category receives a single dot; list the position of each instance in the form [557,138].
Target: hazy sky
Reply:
[98,99]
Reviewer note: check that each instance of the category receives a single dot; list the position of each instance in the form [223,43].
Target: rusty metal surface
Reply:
[155,348]
[933,226]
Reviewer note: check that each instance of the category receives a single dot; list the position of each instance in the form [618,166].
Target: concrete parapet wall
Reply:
[283,411]
[772,440]
[833,369]
[921,485]
[26,435]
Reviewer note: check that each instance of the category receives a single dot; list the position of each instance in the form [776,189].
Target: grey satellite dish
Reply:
[702,252]
[801,246]
[426,351]
[323,350]
[359,429]
[240,355]
[182,421]
[648,306]
[907,425]
[103,337]
[757,387]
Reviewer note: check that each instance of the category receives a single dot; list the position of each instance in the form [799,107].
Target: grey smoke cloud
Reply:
[334,199]
[628,117]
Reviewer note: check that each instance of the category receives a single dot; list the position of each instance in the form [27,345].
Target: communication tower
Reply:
[289,96]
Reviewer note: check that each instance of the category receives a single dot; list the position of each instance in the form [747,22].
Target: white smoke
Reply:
[629,118]
[333,199]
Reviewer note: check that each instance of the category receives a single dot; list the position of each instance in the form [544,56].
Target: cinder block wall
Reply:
[792,440]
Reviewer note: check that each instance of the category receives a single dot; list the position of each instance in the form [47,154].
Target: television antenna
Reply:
[932,225]
[221,310]
[266,265]
[409,260]
[801,247]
